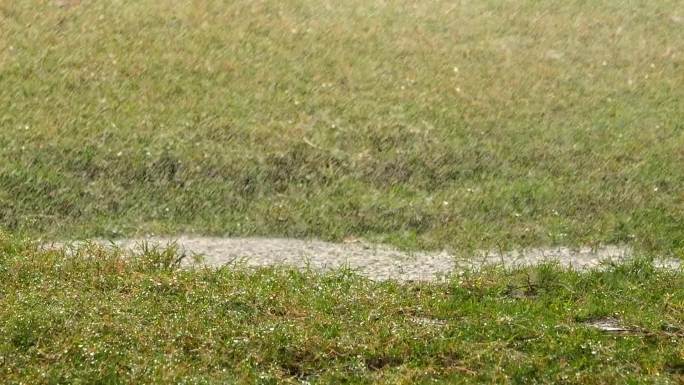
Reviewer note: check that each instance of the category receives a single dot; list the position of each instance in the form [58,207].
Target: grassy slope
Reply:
[98,318]
[485,124]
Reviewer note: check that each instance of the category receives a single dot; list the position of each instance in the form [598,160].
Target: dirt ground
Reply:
[375,261]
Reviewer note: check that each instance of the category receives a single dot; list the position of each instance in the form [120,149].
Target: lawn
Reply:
[480,124]
[471,125]
[95,317]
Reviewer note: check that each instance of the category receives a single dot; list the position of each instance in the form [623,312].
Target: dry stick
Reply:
[307,141]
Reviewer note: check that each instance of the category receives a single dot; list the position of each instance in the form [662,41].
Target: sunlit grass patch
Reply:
[94,315]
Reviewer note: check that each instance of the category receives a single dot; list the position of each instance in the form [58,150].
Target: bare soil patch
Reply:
[375,261]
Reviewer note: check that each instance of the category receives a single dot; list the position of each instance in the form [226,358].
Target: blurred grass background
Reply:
[472,124]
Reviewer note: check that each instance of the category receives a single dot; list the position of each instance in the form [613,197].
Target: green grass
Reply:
[482,124]
[478,124]
[94,317]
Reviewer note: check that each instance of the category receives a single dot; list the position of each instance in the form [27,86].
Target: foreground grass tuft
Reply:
[93,316]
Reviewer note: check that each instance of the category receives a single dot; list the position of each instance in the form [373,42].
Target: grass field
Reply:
[465,125]
[424,124]
[97,318]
